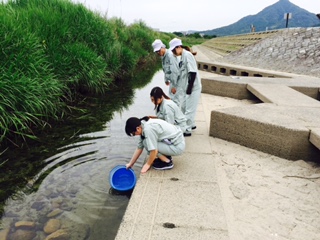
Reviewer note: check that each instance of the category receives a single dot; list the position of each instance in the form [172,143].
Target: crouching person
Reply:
[160,138]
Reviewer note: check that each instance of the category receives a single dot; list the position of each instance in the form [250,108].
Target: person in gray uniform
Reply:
[189,82]
[170,68]
[159,138]
[168,110]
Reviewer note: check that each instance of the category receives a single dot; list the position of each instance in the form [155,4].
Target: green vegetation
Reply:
[194,35]
[54,52]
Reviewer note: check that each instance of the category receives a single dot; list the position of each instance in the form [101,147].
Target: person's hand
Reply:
[145,168]
[173,90]
[128,165]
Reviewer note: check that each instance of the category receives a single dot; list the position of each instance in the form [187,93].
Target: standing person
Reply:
[189,82]
[168,110]
[170,68]
[159,138]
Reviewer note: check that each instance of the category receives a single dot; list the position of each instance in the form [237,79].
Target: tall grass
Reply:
[29,91]
[54,50]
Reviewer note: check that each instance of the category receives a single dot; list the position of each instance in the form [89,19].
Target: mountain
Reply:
[270,18]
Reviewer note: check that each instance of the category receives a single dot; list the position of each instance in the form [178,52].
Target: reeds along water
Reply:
[55,50]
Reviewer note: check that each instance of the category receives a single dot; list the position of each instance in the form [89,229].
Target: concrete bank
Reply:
[182,203]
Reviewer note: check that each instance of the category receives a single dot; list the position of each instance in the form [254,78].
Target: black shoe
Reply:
[163,165]
[194,127]
[187,134]
[156,161]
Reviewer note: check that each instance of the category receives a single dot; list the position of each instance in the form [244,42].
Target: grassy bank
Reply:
[55,50]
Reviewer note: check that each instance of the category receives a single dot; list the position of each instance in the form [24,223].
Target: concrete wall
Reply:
[293,50]
[234,70]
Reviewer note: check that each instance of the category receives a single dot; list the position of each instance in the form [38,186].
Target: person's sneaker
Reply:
[156,161]
[163,165]
[194,127]
[187,134]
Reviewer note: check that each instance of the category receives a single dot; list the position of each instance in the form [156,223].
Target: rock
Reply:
[4,234]
[38,205]
[10,214]
[54,213]
[66,206]
[25,224]
[23,235]
[51,226]
[58,235]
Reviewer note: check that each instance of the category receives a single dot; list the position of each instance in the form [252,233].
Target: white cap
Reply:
[157,45]
[175,43]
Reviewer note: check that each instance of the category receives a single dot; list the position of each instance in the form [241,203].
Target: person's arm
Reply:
[134,157]
[175,72]
[148,164]
[191,79]
[166,69]
[169,114]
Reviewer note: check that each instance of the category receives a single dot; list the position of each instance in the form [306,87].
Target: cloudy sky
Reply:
[183,15]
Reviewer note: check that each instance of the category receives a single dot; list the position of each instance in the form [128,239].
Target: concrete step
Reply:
[315,137]
[282,131]
[236,87]
[281,95]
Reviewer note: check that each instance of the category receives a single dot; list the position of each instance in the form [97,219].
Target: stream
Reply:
[70,192]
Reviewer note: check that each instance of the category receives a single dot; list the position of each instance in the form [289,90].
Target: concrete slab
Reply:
[284,89]
[236,87]
[187,197]
[281,95]
[202,129]
[158,232]
[196,144]
[315,137]
[279,130]
[187,168]
[181,196]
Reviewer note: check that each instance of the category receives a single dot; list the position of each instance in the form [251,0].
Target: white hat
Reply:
[175,43]
[157,45]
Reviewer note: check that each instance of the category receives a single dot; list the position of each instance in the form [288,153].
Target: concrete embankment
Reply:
[294,50]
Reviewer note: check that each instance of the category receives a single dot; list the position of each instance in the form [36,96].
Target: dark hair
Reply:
[185,48]
[157,93]
[189,49]
[132,124]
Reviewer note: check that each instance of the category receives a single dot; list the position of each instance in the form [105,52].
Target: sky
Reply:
[184,15]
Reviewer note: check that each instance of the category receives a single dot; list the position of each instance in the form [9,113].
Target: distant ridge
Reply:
[270,18]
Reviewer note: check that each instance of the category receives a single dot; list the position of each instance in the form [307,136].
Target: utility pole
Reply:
[287,16]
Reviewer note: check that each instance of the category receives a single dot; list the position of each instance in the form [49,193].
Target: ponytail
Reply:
[189,49]
[157,93]
[145,118]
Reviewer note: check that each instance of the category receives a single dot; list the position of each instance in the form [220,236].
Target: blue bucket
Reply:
[122,179]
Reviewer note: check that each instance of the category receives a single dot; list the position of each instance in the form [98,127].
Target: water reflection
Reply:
[70,190]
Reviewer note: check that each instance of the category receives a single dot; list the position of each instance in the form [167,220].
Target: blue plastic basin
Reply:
[122,179]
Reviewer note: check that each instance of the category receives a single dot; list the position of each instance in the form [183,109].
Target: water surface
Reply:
[72,179]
